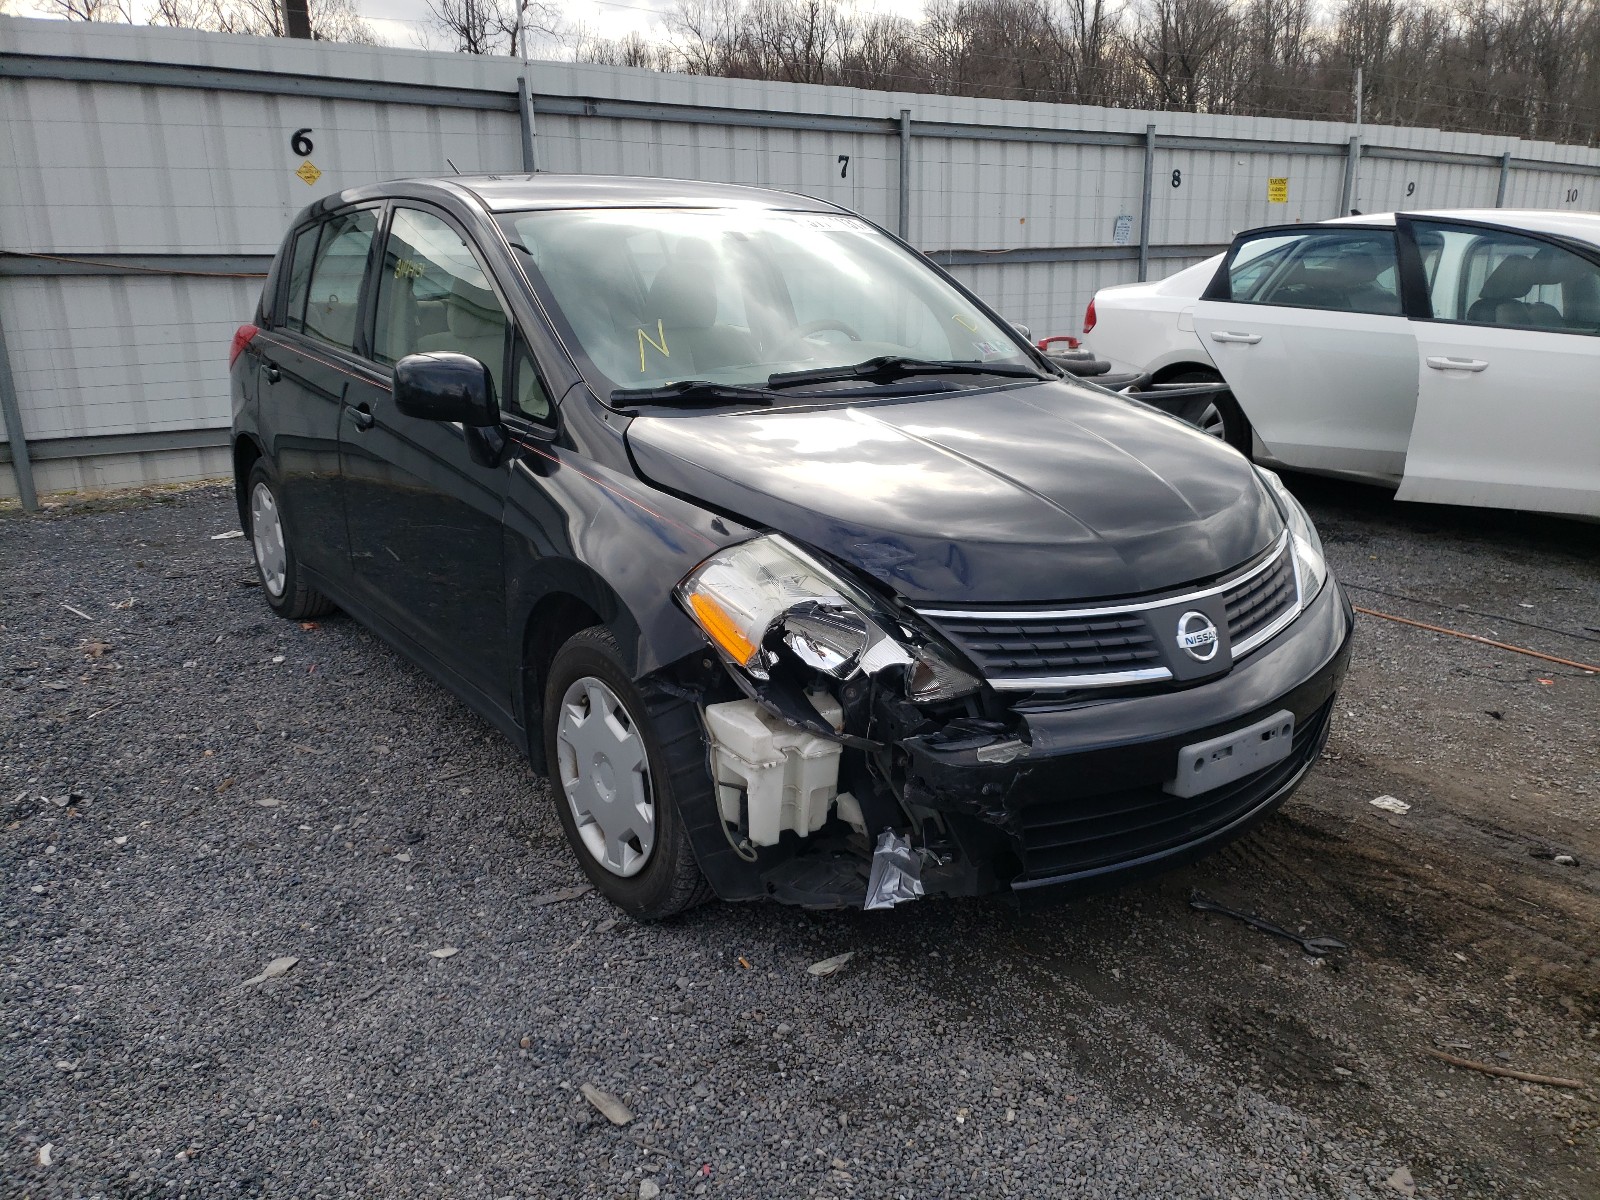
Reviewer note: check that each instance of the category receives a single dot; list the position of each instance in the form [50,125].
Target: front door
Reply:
[1508,399]
[1306,327]
[424,519]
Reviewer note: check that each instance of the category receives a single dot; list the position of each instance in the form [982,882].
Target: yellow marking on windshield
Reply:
[646,339]
[966,323]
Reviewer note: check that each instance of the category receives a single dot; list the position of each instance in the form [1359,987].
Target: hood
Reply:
[1049,492]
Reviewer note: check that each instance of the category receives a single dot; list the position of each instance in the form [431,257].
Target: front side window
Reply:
[333,296]
[1339,270]
[433,294]
[1497,278]
[652,297]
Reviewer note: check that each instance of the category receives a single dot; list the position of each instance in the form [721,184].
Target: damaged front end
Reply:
[811,757]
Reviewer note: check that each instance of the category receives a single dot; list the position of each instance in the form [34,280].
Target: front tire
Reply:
[1218,415]
[276,562]
[612,778]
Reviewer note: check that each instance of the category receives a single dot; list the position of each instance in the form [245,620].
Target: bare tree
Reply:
[1529,68]
[91,10]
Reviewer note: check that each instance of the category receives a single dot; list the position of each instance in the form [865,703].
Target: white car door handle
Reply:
[1458,364]
[1248,339]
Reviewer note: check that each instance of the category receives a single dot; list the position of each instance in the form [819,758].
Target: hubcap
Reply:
[266,531]
[605,775]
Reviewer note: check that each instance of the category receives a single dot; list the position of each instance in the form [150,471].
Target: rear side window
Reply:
[334,294]
[300,258]
[1496,278]
[1352,270]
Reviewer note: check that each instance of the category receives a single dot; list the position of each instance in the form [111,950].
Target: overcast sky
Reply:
[405,22]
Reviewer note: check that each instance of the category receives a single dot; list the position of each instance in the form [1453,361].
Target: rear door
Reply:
[306,361]
[1305,324]
[1508,394]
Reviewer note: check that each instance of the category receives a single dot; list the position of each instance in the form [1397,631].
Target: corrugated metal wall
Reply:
[159,162]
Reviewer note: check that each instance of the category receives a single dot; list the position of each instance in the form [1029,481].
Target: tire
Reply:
[276,562]
[1218,415]
[645,868]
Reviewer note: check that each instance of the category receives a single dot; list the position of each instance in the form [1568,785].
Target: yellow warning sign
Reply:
[308,172]
[1278,190]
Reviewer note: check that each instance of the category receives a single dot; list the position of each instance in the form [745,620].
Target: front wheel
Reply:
[1218,415]
[612,776]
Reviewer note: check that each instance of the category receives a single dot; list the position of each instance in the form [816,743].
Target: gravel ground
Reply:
[191,788]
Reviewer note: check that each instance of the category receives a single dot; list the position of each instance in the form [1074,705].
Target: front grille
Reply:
[1122,641]
[1021,648]
[1071,836]
[1255,604]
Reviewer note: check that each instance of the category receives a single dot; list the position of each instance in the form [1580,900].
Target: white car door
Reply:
[1508,396]
[1305,325]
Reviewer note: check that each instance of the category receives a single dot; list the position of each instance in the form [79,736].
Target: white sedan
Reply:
[1453,355]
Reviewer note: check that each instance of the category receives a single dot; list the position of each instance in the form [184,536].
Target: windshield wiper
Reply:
[693,391]
[895,366]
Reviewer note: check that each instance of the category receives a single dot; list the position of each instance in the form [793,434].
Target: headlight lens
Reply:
[1311,567]
[742,595]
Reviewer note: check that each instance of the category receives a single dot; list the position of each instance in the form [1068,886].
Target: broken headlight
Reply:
[1310,567]
[753,597]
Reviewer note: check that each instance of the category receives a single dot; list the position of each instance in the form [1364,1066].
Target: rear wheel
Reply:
[613,778]
[1218,415]
[276,562]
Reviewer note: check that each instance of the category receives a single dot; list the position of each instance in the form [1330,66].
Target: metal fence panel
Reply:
[139,152]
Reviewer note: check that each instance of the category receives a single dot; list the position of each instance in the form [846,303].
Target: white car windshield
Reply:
[656,297]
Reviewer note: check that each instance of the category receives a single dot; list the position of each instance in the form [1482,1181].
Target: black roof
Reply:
[506,193]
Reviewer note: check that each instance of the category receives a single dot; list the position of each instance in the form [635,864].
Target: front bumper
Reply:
[1081,806]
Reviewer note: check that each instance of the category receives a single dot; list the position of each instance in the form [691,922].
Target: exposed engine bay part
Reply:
[772,776]
[896,872]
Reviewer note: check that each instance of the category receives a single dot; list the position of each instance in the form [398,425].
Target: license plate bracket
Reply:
[1216,762]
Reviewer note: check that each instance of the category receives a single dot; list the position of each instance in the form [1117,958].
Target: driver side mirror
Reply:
[444,386]
[1027,335]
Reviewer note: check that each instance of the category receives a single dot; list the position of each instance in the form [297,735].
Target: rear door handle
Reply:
[272,373]
[360,415]
[1458,364]
[1248,339]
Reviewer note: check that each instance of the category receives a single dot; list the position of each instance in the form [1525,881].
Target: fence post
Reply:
[904,226]
[21,464]
[1144,203]
[1352,169]
[525,112]
[1505,180]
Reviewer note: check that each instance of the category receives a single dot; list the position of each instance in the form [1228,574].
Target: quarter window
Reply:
[334,295]
[433,295]
[1337,270]
[1505,280]
[305,249]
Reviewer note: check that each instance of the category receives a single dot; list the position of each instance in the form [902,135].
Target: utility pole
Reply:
[1358,98]
[296,19]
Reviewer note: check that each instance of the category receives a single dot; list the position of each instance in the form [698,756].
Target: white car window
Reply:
[1341,270]
[1497,278]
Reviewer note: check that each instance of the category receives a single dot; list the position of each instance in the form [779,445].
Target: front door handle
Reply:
[361,415]
[1247,339]
[1458,364]
[272,373]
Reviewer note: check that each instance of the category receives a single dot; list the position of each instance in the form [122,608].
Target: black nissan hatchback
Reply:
[798,571]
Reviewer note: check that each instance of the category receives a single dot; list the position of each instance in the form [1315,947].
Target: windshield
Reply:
[654,297]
